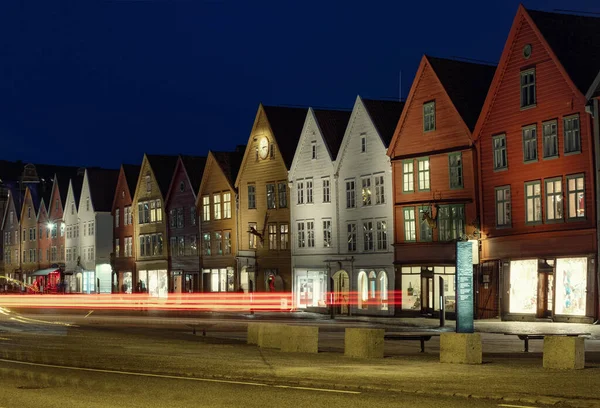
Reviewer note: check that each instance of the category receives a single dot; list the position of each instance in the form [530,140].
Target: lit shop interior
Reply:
[421,288]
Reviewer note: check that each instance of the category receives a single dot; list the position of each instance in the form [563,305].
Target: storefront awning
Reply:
[44,272]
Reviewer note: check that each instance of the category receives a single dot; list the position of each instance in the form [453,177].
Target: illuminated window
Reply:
[217,205]
[410,234]
[227,205]
[273,236]
[533,200]
[408,179]
[554,202]
[206,208]
[284,236]
[366,191]
[576,197]
[252,236]
[424,177]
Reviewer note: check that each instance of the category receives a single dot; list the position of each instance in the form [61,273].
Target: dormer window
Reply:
[363,143]
[314,150]
[429,116]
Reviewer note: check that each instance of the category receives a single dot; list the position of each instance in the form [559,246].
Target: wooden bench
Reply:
[540,336]
[411,336]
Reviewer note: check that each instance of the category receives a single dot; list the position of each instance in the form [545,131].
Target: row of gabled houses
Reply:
[363,204]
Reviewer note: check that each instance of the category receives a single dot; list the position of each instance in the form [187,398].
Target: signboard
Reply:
[464,287]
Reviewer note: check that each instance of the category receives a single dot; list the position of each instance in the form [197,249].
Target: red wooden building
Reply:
[434,179]
[536,163]
[123,258]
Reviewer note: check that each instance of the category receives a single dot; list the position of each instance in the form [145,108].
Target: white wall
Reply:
[71,220]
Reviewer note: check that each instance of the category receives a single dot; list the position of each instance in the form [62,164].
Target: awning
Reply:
[44,272]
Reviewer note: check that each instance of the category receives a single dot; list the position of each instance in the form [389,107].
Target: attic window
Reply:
[123,194]
[527,51]
[182,186]
[363,143]
[429,116]
[72,208]
[87,204]
[148,183]
[271,150]
[314,150]
[29,212]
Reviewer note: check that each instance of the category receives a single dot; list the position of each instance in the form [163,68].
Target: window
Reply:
[529,144]
[528,88]
[310,234]
[193,215]
[206,250]
[313,146]
[363,143]
[271,150]
[554,202]
[424,181]
[309,191]
[91,228]
[273,236]
[72,208]
[217,205]
[576,197]
[571,134]
[351,228]
[87,204]
[533,200]
[128,246]
[327,233]
[379,190]
[148,183]
[251,196]
[410,234]
[29,212]
[326,191]
[550,139]
[206,208]
[366,191]
[181,246]
[284,236]
[451,222]
[226,205]
[500,158]
[271,196]
[182,186]
[218,243]
[282,190]
[456,170]
[301,235]
[300,192]
[117,215]
[350,194]
[425,231]
[408,177]
[429,116]
[368,235]
[227,241]
[128,216]
[252,237]
[180,218]
[24,235]
[117,248]
[173,218]
[381,236]
[193,244]
[503,208]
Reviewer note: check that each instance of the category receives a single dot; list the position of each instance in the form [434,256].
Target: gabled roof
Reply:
[77,184]
[385,116]
[34,192]
[575,40]
[286,124]
[132,172]
[466,84]
[17,198]
[163,167]
[102,184]
[333,125]
[230,163]
[194,167]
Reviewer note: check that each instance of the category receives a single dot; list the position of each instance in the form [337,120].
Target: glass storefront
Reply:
[155,282]
[571,284]
[311,289]
[372,289]
[411,288]
[421,288]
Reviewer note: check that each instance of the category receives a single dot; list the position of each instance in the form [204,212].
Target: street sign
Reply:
[464,287]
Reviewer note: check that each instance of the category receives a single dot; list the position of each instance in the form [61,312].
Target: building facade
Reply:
[264,258]
[536,158]
[314,210]
[11,228]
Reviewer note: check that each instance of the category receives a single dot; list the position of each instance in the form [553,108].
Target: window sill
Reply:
[572,153]
[551,157]
[500,169]
[530,161]
[524,108]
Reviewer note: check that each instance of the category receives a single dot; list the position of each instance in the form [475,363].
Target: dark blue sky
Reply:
[100,82]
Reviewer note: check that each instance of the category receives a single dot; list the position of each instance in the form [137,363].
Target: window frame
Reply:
[252,196]
[527,197]
[407,221]
[554,194]
[451,221]
[459,169]
[271,196]
[426,172]
[544,137]
[421,236]
[352,236]
[410,174]
[524,129]
[504,201]
[431,115]
[523,74]
[365,185]
[569,118]
[575,177]
[326,185]
[503,150]
[350,193]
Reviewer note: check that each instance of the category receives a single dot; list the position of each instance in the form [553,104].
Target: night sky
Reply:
[100,82]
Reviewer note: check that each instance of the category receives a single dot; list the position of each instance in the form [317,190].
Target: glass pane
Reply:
[523,286]
[571,286]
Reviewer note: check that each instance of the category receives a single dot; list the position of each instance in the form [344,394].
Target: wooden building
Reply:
[182,225]
[123,258]
[29,230]
[11,229]
[536,164]
[435,184]
[217,207]
[149,224]
[264,258]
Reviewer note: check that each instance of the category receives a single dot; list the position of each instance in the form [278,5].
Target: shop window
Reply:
[523,286]
[411,288]
[363,290]
[382,283]
[571,286]
[311,289]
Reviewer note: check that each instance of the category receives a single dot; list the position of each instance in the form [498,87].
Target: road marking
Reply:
[515,406]
[91,311]
[175,377]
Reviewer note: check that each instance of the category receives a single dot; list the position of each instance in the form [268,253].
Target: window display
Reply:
[523,286]
[411,288]
[571,284]
[311,289]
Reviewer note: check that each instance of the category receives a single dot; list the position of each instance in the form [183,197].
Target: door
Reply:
[545,291]
[341,285]
[428,294]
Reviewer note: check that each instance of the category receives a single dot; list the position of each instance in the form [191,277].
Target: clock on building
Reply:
[263,147]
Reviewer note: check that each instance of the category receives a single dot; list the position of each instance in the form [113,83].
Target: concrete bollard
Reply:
[363,343]
[269,335]
[300,339]
[252,333]
[460,348]
[564,352]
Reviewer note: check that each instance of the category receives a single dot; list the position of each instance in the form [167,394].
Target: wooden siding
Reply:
[260,172]
[556,98]
[43,239]
[14,229]
[122,199]
[55,216]
[28,222]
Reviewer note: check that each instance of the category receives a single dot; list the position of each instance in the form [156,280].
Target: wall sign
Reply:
[464,287]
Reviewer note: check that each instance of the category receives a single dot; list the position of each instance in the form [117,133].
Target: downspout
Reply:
[596,129]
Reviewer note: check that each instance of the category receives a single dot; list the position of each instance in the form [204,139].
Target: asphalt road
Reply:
[35,386]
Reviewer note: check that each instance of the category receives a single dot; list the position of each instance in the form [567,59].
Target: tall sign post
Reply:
[464,287]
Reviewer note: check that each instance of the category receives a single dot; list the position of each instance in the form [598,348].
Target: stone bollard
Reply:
[363,343]
[300,339]
[460,348]
[269,335]
[564,352]
[253,333]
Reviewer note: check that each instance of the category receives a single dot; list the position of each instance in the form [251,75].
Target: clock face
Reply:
[263,147]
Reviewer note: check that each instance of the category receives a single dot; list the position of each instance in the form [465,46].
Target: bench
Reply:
[540,336]
[411,336]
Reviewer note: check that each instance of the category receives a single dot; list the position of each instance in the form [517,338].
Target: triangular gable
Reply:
[522,17]
[260,115]
[214,162]
[310,119]
[27,201]
[43,209]
[70,196]
[55,195]
[189,165]
[101,184]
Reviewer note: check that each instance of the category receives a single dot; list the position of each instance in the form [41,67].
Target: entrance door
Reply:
[428,294]
[341,286]
[545,290]
[177,284]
